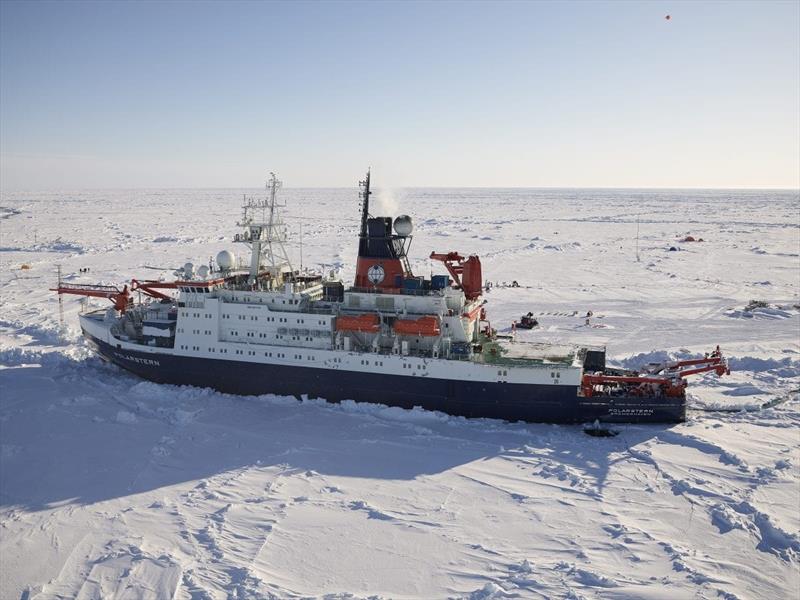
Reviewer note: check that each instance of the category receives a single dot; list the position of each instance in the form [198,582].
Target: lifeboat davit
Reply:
[427,326]
[367,323]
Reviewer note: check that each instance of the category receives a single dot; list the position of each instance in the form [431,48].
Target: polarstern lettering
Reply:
[631,412]
[141,361]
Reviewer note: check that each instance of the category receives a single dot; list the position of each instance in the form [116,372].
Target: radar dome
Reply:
[203,271]
[188,270]
[225,260]
[403,226]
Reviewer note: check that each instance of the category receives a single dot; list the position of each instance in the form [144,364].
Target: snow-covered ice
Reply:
[113,487]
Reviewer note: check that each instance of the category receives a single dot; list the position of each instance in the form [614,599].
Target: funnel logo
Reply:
[375,274]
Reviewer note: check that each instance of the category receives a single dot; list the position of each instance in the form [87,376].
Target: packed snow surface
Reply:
[113,487]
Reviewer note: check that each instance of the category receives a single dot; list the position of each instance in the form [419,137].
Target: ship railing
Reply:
[316,311]
[393,291]
[428,355]
[471,357]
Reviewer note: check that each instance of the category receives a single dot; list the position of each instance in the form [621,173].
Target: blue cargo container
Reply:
[412,283]
[439,282]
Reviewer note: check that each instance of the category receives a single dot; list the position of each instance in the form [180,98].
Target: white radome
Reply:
[202,271]
[403,225]
[225,260]
[188,270]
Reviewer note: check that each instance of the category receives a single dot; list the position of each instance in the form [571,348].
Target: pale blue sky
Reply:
[574,94]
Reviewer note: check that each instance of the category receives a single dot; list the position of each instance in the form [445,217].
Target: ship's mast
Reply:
[265,233]
[364,194]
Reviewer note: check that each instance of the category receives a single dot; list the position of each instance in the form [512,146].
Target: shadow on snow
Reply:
[81,431]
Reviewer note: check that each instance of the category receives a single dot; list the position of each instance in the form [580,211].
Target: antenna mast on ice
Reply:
[301,246]
[60,299]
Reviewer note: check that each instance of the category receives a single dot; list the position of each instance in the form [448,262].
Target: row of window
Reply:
[377,363]
[260,300]
[406,366]
[280,336]
[196,348]
[185,313]
[195,331]
[303,334]
[271,319]
[253,353]
[274,300]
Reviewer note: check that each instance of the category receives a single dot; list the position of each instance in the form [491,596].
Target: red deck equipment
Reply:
[368,323]
[120,297]
[424,326]
[466,272]
[666,378]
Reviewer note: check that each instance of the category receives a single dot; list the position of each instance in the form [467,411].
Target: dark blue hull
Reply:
[510,402]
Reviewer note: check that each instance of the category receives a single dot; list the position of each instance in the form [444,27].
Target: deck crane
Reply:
[659,379]
[121,298]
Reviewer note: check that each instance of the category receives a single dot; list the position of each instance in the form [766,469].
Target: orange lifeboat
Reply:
[427,326]
[369,323]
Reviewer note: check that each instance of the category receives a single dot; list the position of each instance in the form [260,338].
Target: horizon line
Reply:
[412,187]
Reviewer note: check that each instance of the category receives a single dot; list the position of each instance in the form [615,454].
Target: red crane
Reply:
[465,271]
[665,378]
[121,298]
